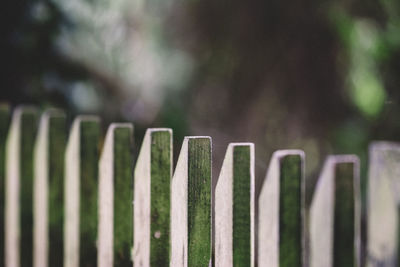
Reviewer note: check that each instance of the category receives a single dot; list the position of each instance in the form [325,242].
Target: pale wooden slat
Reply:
[383,204]
[115,197]
[234,207]
[335,214]
[48,189]
[153,173]
[81,174]
[281,211]
[4,124]
[19,177]
[191,204]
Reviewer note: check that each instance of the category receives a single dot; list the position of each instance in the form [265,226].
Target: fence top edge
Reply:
[384,145]
[241,144]
[288,152]
[345,158]
[116,125]
[197,137]
[152,130]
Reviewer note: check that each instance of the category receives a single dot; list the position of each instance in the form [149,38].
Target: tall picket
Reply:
[81,177]
[335,214]
[49,189]
[152,199]
[383,204]
[115,232]
[4,124]
[281,211]
[19,180]
[234,208]
[191,204]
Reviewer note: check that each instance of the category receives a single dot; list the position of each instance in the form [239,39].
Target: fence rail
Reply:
[75,201]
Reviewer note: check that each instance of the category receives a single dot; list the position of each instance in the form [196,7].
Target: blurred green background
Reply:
[322,76]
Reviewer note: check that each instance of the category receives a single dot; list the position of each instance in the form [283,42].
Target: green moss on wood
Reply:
[343,243]
[89,156]
[290,199]
[57,143]
[29,124]
[123,196]
[199,201]
[4,125]
[161,168]
[241,206]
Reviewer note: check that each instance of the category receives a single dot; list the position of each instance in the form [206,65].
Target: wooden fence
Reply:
[71,201]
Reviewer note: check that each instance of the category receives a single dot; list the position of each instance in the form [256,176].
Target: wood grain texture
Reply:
[81,177]
[383,204]
[4,124]
[234,208]
[281,211]
[19,187]
[191,204]
[153,174]
[48,189]
[115,232]
[335,214]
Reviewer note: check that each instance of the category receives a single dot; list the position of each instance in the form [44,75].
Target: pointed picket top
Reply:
[383,204]
[153,173]
[335,214]
[281,211]
[115,197]
[48,189]
[81,170]
[191,204]
[4,124]
[19,178]
[234,207]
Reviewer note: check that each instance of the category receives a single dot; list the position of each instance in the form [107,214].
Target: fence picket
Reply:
[48,189]
[383,204]
[234,208]
[19,179]
[153,173]
[115,232]
[191,204]
[281,211]
[335,214]
[4,124]
[81,175]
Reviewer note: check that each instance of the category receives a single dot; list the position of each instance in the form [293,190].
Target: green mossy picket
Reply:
[199,201]
[344,217]
[29,125]
[89,156]
[161,172]
[290,198]
[123,196]
[242,247]
[56,151]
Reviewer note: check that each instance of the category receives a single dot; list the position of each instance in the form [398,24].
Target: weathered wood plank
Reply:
[234,207]
[81,176]
[383,204]
[19,181]
[153,173]
[281,211]
[48,189]
[115,197]
[4,124]
[191,204]
[335,214]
